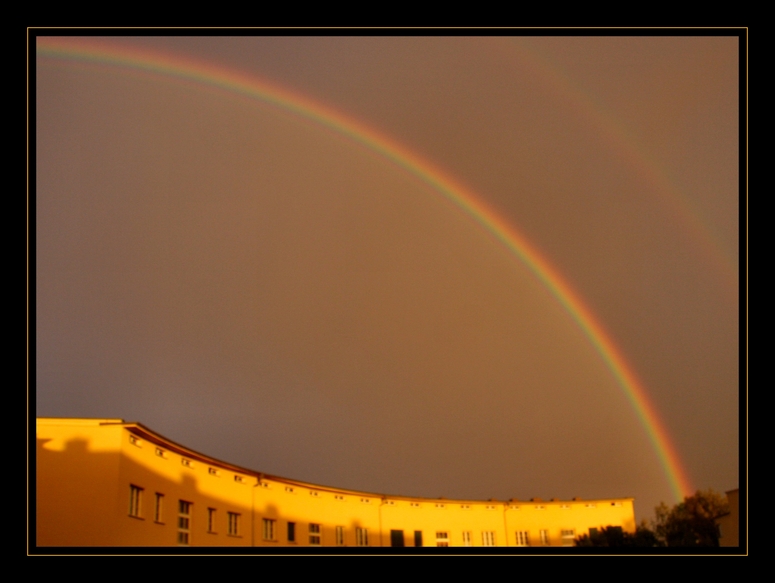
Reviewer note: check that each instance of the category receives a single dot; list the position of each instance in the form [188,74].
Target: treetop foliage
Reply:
[691,523]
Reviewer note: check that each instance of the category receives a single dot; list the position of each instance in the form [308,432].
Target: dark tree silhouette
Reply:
[691,523]
[614,536]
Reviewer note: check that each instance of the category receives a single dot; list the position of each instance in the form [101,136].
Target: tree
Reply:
[614,536]
[691,523]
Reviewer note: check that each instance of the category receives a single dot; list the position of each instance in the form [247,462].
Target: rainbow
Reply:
[217,76]
[642,162]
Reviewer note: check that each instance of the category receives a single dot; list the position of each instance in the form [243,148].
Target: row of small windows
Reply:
[183,461]
[315,533]
[215,472]
[184,514]
[270,527]
[522,538]
[442,538]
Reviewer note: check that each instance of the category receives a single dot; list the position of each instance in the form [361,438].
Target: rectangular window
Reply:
[418,538]
[488,538]
[184,522]
[157,513]
[568,536]
[522,539]
[467,538]
[291,532]
[396,538]
[211,520]
[234,526]
[544,537]
[340,536]
[314,534]
[442,539]
[135,500]
[269,529]
[362,537]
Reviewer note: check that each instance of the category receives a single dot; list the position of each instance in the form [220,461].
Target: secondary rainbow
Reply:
[622,142]
[217,76]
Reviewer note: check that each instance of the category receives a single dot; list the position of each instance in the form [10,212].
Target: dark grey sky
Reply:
[259,288]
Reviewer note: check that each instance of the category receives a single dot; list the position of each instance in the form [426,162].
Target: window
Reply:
[544,534]
[442,539]
[184,522]
[269,528]
[488,538]
[186,462]
[396,538]
[362,537]
[340,536]
[467,538]
[211,520]
[135,500]
[157,513]
[134,441]
[522,539]
[418,538]
[314,534]
[291,532]
[161,453]
[212,471]
[234,526]
[568,535]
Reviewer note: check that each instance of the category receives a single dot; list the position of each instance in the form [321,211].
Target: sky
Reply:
[296,279]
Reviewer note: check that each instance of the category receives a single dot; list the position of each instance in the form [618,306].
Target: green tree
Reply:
[691,523]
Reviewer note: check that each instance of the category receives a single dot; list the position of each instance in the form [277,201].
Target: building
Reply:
[729,523]
[106,482]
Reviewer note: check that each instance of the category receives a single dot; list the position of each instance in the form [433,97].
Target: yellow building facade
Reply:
[106,482]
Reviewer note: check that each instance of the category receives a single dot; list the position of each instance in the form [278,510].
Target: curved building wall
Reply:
[107,482]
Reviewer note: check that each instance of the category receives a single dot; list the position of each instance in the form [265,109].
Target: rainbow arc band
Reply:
[202,73]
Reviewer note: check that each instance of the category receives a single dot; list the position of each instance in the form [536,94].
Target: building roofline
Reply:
[140,430]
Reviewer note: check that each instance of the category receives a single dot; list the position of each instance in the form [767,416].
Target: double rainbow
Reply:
[195,71]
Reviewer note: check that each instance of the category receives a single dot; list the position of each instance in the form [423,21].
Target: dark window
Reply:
[291,532]
[418,538]
[396,538]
